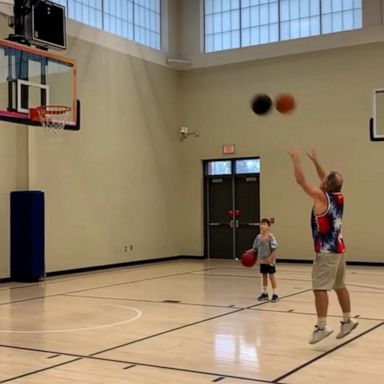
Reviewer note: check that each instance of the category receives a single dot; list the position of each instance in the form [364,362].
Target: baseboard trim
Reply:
[364,264]
[119,265]
[294,261]
[350,262]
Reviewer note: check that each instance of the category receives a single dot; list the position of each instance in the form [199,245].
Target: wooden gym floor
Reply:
[186,322]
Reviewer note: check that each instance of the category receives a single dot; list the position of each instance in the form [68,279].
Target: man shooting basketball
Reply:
[330,260]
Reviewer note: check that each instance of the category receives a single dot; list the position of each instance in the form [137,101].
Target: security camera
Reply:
[184,131]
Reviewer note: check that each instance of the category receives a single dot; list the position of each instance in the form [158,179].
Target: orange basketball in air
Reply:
[285,103]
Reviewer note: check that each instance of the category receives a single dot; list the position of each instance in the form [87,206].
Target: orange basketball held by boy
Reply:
[249,258]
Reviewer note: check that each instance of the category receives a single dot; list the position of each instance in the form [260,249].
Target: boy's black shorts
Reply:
[267,268]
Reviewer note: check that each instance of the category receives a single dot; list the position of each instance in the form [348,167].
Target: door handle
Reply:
[253,224]
[214,224]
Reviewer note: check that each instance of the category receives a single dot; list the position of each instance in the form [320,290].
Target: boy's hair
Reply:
[265,221]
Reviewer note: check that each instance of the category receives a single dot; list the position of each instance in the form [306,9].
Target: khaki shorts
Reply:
[328,271]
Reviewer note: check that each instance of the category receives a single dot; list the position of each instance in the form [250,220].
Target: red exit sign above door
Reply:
[229,148]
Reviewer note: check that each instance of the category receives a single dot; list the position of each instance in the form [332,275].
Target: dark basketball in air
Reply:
[261,104]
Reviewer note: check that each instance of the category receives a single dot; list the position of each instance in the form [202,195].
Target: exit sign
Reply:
[229,148]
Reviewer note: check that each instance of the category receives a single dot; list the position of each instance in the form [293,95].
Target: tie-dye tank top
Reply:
[326,227]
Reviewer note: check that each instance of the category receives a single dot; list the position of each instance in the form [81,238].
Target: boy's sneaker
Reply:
[319,334]
[275,298]
[263,297]
[346,328]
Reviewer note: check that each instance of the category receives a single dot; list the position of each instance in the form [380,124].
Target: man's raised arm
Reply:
[319,169]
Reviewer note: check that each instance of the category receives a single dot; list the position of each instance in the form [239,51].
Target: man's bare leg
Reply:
[348,324]
[344,300]
[321,330]
[321,303]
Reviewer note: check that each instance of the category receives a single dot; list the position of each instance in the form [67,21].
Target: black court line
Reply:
[218,379]
[53,356]
[294,312]
[149,279]
[154,301]
[39,370]
[90,289]
[74,293]
[290,271]
[309,362]
[253,307]
[221,375]
[94,357]
[253,277]
[90,274]
[365,286]
[365,292]
[284,297]
[131,364]
[171,301]
[174,329]
[168,331]
[364,273]
[30,299]
[237,306]
[237,273]
[133,281]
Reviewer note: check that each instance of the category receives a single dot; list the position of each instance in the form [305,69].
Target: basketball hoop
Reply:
[51,117]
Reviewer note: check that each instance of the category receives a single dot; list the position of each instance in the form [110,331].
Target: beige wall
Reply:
[125,178]
[334,95]
[13,173]
[332,78]
[115,183]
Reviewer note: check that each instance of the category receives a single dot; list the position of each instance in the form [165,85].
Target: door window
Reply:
[219,167]
[247,166]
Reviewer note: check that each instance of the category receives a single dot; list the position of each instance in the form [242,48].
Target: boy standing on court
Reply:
[330,258]
[266,245]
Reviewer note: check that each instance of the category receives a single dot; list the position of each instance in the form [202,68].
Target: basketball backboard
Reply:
[31,77]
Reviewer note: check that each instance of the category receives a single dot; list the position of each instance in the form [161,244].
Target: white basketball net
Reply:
[53,118]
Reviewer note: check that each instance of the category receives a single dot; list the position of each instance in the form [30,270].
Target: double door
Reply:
[232,214]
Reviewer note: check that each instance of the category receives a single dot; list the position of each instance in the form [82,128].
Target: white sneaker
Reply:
[346,328]
[319,334]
